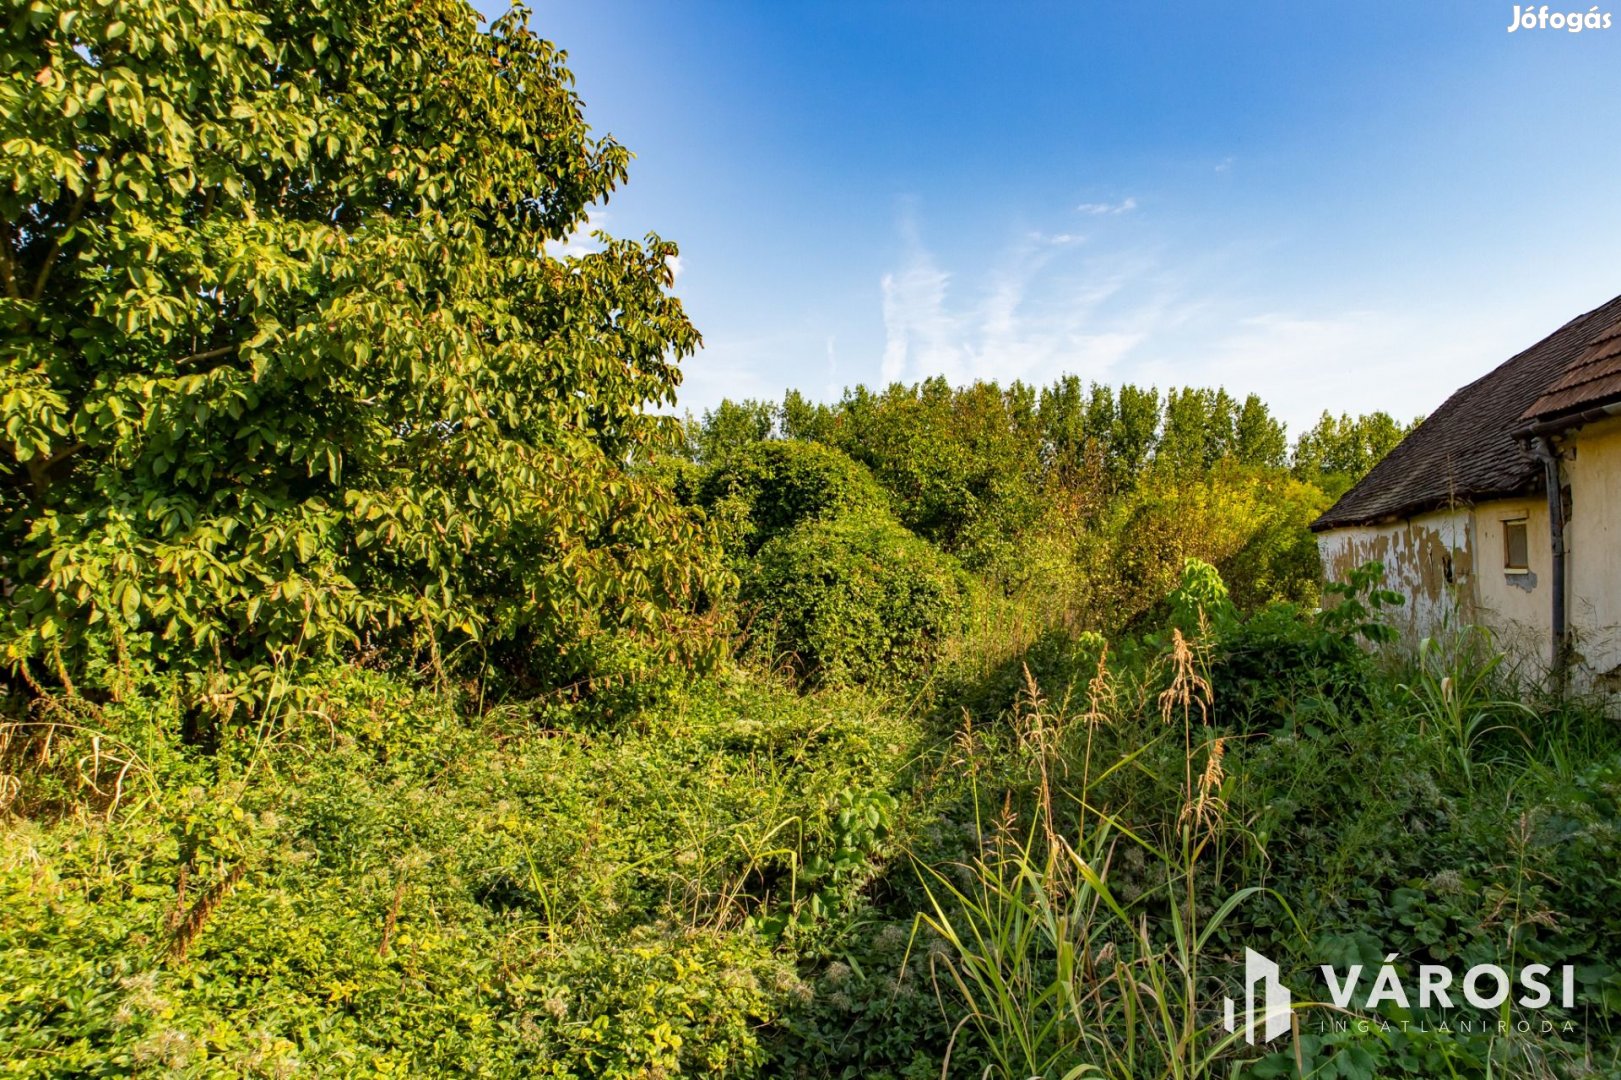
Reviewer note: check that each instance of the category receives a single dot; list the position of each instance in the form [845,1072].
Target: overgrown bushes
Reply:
[853,599]
[764,489]
[389,886]
[725,879]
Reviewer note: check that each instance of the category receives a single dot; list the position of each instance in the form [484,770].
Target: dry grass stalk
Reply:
[1207,807]
[1040,731]
[1100,692]
[1188,689]
[391,918]
[192,924]
[965,743]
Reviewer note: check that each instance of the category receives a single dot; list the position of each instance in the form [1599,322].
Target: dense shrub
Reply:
[766,488]
[723,882]
[854,599]
[963,466]
[1250,524]
[1279,669]
[976,468]
[394,887]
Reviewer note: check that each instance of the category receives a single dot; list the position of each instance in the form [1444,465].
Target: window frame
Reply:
[1509,525]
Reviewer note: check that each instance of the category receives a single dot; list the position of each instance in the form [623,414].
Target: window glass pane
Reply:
[1515,553]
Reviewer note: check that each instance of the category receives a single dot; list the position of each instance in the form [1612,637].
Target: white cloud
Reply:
[919,333]
[1147,308]
[1034,315]
[1040,310]
[1124,206]
[1355,360]
[580,241]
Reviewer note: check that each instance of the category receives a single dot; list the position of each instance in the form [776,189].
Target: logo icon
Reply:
[1276,1004]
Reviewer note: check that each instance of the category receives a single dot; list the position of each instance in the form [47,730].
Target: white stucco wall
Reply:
[1417,551]
[1518,607]
[1593,471]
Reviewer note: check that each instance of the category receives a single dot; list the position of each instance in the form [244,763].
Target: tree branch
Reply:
[56,245]
[8,261]
[39,470]
[210,354]
[62,455]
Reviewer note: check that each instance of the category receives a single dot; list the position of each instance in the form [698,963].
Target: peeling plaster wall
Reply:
[1593,471]
[1416,553]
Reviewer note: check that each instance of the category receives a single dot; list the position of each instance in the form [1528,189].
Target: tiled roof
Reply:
[1468,449]
[1593,377]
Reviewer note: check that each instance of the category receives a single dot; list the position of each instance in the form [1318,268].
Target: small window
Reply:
[1516,547]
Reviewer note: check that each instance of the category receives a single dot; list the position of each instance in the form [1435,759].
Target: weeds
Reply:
[708,884]
[1060,975]
[1460,699]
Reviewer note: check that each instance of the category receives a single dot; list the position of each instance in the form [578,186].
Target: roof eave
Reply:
[1406,511]
[1561,422]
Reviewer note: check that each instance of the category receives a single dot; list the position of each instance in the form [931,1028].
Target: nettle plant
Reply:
[287,365]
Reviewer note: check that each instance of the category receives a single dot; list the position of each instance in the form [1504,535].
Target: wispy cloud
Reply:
[1034,314]
[919,333]
[1124,206]
[1348,360]
[1037,310]
[1060,239]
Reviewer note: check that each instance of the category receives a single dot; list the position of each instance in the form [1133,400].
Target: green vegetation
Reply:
[388,693]
[285,369]
[853,600]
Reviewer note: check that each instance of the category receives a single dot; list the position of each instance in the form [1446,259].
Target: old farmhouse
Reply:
[1503,508]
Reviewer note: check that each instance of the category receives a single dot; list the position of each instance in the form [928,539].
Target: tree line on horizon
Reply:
[1071,427]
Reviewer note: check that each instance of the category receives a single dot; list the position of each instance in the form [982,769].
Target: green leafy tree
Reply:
[1259,439]
[287,362]
[1337,452]
[1200,429]
[962,465]
[767,488]
[1187,440]
[801,418]
[1134,432]
[732,426]
[1064,431]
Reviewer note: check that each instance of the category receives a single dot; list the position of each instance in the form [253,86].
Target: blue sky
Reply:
[1346,207]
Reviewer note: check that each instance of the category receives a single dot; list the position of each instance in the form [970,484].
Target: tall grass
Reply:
[1061,970]
[1460,695]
